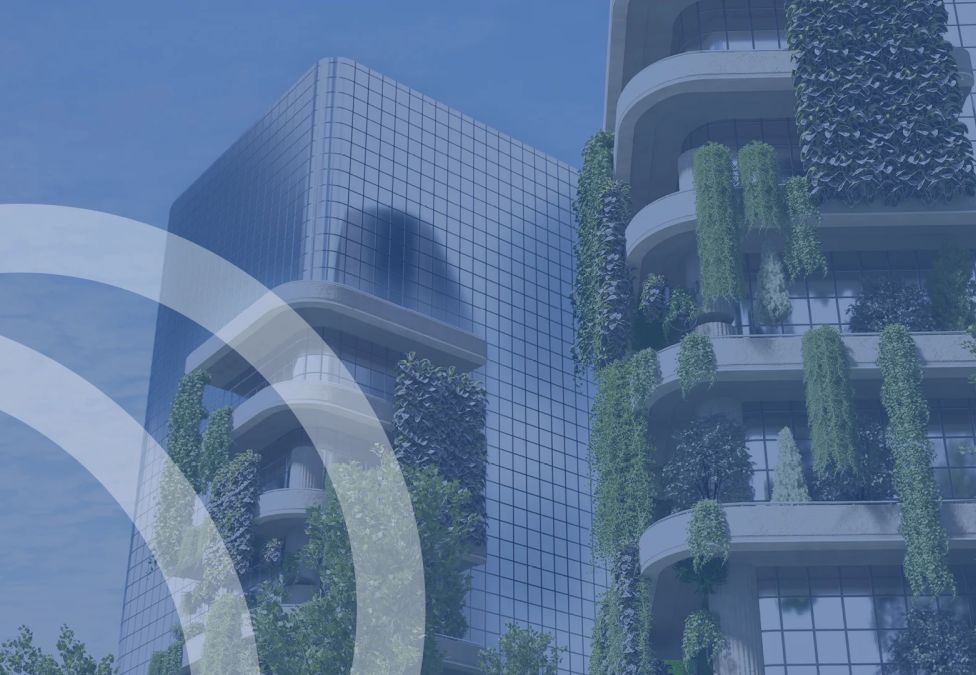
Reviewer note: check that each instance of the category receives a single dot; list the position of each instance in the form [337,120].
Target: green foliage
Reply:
[830,401]
[702,640]
[878,101]
[951,289]
[934,642]
[789,485]
[522,651]
[173,519]
[217,442]
[168,661]
[804,253]
[602,289]
[20,656]
[873,476]
[926,540]
[759,177]
[886,300]
[439,420]
[682,312]
[709,537]
[317,636]
[645,376]
[773,298]
[696,362]
[653,298]
[710,461]
[620,452]
[185,417]
[225,649]
[621,632]
[233,507]
[718,228]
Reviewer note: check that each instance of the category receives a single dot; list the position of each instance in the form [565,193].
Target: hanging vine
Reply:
[830,402]
[804,253]
[762,205]
[602,289]
[927,543]
[718,228]
[697,364]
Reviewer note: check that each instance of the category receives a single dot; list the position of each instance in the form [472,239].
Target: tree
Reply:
[885,300]
[522,651]
[710,461]
[934,642]
[20,656]
[789,485]
[951,289]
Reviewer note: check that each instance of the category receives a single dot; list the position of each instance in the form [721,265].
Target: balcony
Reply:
[757,361]
[287,504]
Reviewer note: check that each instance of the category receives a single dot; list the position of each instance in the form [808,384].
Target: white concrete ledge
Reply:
[339,307]
[287,503]
[769,527]
[759,358]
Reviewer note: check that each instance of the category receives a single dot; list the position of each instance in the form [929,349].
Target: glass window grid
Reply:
[841,620]
[781,133]
[713,25]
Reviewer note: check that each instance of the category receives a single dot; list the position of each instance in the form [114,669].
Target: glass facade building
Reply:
[355,179]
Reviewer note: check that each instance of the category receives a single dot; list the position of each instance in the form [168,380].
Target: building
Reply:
[356,195]
[815,587]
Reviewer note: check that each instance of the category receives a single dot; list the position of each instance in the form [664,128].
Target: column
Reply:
[736,603]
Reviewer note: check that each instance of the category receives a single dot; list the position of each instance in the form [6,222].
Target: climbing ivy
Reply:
[762,204]
[696,362]
[830,401]
[926,541]
[878,101]
[439,420]
[804,253]
[951,289]
[702,640]
[718,227]
[602,291]
[621,631]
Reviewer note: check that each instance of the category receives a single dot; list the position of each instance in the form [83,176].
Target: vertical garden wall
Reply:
[878,101]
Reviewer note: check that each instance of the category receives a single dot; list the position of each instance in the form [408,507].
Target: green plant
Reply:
[773,298]
[217,441]
[602,290]
[872,478]
[709,537]
[522,651]
[885,300]
[622,629]
[709,461]
[789,484]
[168,661]
[830,401]
[439,420]
[696,362]
[878,101]
[926,541]
[804,253]
[644,375]
[718,227]
[223,642]
[620,453]
[951,289]
[20,656]
[183,438]
[682,312]
[934,642]
[653,298]
[759,177]
[702,640]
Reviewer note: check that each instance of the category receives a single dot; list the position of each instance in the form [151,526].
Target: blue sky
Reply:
[118,106]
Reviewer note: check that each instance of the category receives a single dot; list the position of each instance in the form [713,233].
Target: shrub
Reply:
[951,289]
[789,484]
[773,298]
[886,300]
[830,401]
[653,298]
[682,312]
[702,640]
[602,291]
[759,178]
[926,541]
[804,253]
[717,229]
[709,461]
[522,651]
[934,642]
[696,362]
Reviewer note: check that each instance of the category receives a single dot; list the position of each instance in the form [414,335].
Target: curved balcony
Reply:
[287,504]
[335,306]
[760,359]
[824,527]
[269,414]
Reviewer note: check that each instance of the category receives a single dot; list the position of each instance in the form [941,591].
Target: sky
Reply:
[118,106]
